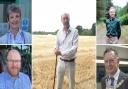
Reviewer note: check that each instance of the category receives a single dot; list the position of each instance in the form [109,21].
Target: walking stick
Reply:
[55,73]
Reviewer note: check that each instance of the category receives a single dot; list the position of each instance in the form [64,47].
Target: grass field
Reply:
[44,63]
[101,34]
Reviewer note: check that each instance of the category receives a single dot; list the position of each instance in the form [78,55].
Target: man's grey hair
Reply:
[109,50]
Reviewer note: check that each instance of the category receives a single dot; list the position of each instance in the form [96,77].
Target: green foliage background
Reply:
[102,11]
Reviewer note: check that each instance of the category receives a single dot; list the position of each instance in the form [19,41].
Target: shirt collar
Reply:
[116,75]
[111,19]
[17,32]
[10,77]
[69,30]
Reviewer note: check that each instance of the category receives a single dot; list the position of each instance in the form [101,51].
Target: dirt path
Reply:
[101,34]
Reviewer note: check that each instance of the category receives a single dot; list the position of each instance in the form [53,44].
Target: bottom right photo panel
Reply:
[112,66]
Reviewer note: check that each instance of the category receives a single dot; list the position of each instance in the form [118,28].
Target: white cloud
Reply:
[46,13]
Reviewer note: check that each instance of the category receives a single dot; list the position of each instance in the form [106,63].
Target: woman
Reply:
[15,35]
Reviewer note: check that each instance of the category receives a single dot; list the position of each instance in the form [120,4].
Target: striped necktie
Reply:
[112,81]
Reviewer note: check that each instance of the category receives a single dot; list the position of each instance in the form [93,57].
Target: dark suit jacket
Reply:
[121,76]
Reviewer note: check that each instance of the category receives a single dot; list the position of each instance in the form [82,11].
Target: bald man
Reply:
[13,78]
[66,48]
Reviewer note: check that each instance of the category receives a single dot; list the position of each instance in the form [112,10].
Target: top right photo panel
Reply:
[112,22]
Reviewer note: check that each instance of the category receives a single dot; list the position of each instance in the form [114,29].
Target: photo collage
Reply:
[63,44]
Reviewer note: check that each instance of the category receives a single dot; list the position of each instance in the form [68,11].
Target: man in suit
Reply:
[115,78]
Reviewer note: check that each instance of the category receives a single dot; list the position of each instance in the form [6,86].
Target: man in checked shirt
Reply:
[66,48]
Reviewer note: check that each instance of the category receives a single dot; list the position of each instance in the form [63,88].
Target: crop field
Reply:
[43,63]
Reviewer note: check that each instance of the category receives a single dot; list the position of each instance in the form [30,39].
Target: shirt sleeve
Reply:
[73,49]
[106,23]
[57,41]
[119,29]
[2,81]
[28,83]
[27,37]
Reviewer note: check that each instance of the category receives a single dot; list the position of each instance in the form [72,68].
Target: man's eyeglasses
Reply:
[14,61]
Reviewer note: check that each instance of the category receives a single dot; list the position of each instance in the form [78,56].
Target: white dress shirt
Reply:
[116,75]
[67,43]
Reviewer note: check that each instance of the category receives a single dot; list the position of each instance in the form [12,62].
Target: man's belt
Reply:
[65,60]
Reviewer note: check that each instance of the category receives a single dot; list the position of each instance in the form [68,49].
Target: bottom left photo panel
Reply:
[15,67]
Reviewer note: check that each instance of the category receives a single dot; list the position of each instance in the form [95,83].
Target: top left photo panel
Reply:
[15,22]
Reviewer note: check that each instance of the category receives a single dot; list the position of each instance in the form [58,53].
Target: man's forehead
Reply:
[110,54]
[12,52]
[65,15]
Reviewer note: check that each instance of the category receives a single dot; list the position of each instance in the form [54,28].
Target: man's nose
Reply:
[14,63]
[108,63]
[15,19]
[66,20]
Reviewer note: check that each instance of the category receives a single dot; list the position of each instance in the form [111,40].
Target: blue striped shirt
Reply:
[21,82]
[19,39]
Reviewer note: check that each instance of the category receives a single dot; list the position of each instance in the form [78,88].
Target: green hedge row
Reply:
[124,19]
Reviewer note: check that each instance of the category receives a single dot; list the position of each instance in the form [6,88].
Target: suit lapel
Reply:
[121,76]
[104,82]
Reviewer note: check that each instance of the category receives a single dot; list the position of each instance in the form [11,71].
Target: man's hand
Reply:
[57,52]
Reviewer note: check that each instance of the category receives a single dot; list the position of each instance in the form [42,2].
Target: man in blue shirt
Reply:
[12,78]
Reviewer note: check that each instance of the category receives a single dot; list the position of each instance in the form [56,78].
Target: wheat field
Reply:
[43,63]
